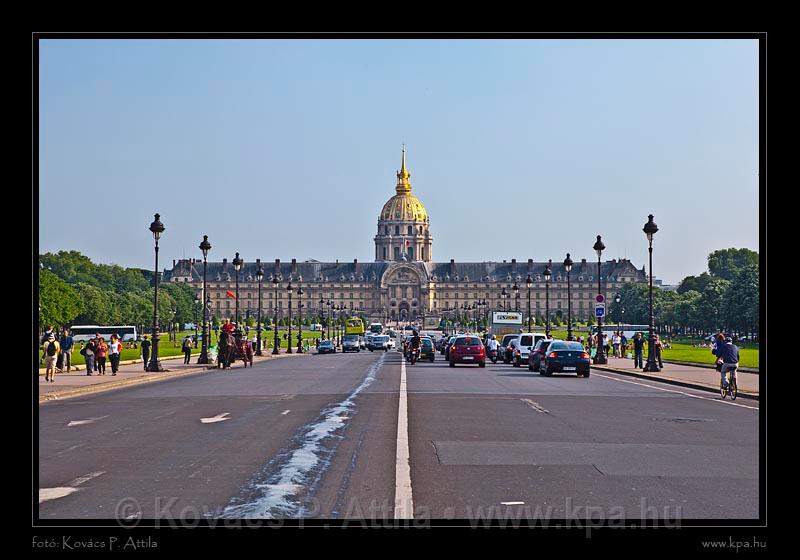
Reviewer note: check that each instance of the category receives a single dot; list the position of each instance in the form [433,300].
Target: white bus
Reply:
[375,328]
[86,332]
[627,330]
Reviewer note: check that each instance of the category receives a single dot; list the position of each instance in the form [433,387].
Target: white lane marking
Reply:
[512,503]
[46,494]
[403,495]
[535,406]
[85,478]
[217,418]
[678,392]
[285,412]
[87,421]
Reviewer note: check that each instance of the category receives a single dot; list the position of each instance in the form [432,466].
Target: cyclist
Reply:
[728,352]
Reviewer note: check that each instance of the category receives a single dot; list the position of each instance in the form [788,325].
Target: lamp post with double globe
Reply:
[289,341]
[300,320]
[237,266]
[205,247]
[548,273]
[260,278]
[504,298]
[515,288]
[157,228]
[650,229]
[568,268]
[599,357]
[529,284]
[276,284]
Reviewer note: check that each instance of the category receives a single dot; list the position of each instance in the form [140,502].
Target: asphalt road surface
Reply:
[317,437]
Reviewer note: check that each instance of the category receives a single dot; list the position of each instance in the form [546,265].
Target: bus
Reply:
[354,325]
[627,330]
[375,328]
[86,332]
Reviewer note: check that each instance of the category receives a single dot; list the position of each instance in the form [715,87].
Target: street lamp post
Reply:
[237,266]
[289,339]
[324,321]
[516,296]
[300,320]
[529,283]
[205,247]
[599,357]
[650,229]
[619,316]
[196,304]
[568,268]
[547,275]
[276,284]
[157,228]
[503,298]
[260,278]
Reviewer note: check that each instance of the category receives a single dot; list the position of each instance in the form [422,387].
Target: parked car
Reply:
[537,354]
[563,356]
[467,350]
[523,346]
[326,347]
[426,349]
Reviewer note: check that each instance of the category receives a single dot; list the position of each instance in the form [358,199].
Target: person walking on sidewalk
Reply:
[114,353]
[101,353]
[88,353]
[145,351]
[186,347]
[638,350]
[67,344]
[659,347]
[50,348]
[616,341]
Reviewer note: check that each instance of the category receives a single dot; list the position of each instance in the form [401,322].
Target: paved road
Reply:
[316,436]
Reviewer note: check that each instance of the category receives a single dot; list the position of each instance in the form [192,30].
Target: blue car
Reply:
[565,357]
[326,347]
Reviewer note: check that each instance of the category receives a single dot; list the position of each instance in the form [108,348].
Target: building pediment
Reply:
[404,274]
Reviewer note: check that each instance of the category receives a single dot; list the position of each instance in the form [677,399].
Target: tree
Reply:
[726,263]
[710,308]
[696,283]
[741,307]
[59,303]
[183,296]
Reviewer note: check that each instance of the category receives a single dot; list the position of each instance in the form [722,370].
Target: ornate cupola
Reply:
[403,225]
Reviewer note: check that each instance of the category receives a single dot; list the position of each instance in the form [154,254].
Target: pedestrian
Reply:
[50,350]
[46,336]
[67,344]
[187,348]
[606,344]
[145,351]
[623,343]
[114,353]
[96,345]
[88,352]
[101,353]
[638,350]
[659,346]
[616,341]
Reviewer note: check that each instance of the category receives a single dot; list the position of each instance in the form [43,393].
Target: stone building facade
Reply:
[403,282]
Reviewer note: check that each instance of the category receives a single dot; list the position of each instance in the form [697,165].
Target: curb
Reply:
[140,380]
[687,384]
[709,366]
[127,362]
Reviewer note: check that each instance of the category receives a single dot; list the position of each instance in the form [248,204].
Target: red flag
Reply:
[231,294]
[408,242]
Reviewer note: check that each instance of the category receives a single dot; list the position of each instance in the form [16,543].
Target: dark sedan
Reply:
[327,347]
[565,357]
[426,349]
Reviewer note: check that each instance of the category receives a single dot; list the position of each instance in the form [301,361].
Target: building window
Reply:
[410,231]
[397,230]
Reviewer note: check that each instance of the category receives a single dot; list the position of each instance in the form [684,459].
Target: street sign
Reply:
[600,310]
[599,298]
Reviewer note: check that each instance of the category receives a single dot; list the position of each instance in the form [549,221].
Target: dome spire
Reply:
[403,176]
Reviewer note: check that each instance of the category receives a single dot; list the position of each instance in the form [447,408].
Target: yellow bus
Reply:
[354,325]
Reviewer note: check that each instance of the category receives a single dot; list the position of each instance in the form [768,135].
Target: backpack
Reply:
[51,349]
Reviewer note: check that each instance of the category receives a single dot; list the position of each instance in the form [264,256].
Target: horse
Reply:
[232,348]
[244,349]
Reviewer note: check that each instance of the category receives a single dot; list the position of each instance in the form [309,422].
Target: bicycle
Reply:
[729,388]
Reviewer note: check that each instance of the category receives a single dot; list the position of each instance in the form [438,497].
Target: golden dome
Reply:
[404,206]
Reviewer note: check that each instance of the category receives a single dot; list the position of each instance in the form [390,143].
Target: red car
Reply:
[467,350]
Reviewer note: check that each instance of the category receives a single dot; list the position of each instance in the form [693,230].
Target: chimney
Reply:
[452,267]
[277,267]
[514,266]
[530,266]
[173,263]
[294,266]
[355,266]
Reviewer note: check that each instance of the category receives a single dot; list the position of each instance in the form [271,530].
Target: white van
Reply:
[523,345]
[316,327]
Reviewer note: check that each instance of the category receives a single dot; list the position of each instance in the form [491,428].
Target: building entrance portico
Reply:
[404,289]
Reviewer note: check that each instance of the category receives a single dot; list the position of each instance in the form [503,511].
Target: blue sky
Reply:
[289,148]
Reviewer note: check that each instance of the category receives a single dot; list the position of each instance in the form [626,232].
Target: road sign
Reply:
[600,310]
[600,298]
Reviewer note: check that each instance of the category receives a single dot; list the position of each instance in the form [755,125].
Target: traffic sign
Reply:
[600,298]
[600,310]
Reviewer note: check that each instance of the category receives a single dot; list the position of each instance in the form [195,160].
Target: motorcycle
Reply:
[413,356]
[493,356]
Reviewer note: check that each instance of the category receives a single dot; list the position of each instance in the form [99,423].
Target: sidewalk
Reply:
[696,377]
[77,383]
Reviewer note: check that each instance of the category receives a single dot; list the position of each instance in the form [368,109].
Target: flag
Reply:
[408,243]
[230,294]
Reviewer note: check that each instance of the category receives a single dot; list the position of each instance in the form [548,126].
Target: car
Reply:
[447,347]
[326,347]
[426,349]
[467,349]
[537,354]
[566,357]
[523,346]
[390,343]
[379,342]
[361,343]
[506,348]
[350,343]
